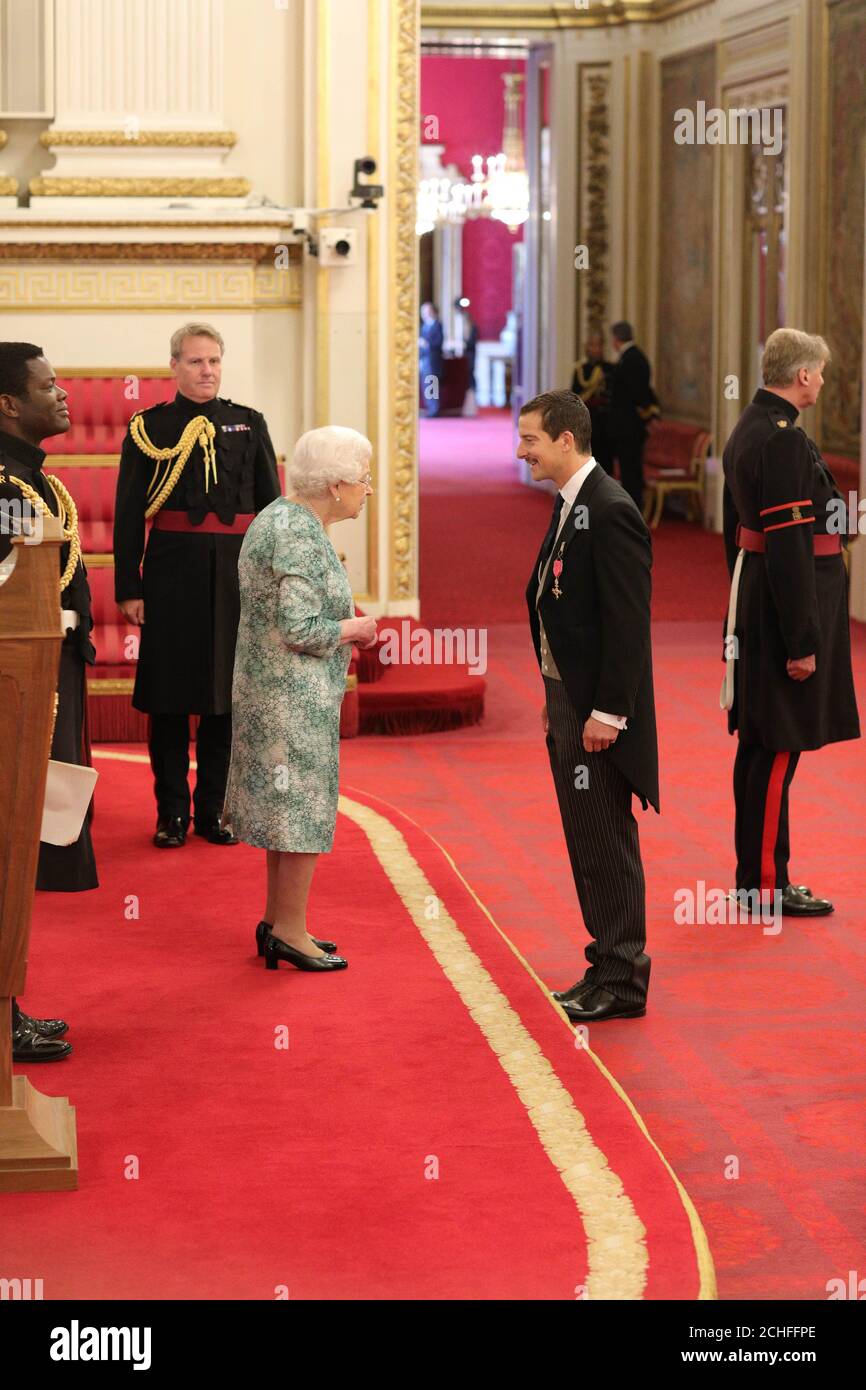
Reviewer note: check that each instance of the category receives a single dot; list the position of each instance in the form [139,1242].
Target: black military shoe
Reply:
[30,1046]
[45,1027]
[799,901]
[599,1005]
[170,833]
[214,832]
[571,996]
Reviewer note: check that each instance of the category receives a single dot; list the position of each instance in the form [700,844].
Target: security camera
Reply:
[369,193]
[338,246]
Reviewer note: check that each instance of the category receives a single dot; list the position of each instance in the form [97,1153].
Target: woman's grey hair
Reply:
[327,456]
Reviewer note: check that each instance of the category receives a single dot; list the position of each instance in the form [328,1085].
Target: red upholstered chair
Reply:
[846,471]
[93,489]
[674,460]
[101,403]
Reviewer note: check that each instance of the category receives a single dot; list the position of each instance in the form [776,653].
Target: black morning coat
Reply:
[18,459]
[599,630]
[792,603]
[189,582]
[633,401]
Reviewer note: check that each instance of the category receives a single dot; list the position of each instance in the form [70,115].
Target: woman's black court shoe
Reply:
[277,950]
[262,935]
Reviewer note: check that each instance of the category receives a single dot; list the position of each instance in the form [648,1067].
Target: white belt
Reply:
[726,696]
[69,618]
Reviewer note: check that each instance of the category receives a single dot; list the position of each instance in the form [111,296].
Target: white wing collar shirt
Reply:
[569,493]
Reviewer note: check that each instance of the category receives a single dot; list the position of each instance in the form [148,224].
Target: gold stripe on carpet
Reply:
[617,1255]
[703,1254]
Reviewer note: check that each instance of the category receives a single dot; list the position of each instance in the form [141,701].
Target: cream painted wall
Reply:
[257,371]
[263,100]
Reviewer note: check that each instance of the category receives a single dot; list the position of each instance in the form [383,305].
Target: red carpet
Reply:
[748,1069]
[306,1166]
[480,529]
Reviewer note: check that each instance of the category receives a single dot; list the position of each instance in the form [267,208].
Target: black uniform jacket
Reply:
[599,630]
[633,401]
[792,603]
[189,582]
[25,461]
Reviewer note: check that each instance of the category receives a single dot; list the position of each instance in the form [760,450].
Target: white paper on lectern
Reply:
[68,791]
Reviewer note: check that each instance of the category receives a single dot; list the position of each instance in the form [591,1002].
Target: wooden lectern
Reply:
[38,1150]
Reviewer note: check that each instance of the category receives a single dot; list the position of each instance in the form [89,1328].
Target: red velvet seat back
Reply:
[101,407]
[93,489]
[672,445]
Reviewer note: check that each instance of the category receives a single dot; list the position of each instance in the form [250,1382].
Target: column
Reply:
[138,103]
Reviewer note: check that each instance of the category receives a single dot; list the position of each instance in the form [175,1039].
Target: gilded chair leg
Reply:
[649,498]
[659,508]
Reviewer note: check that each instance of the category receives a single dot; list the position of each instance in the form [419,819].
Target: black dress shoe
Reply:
[598,1005]
[571,996]
[263,929]
[45,1027]
[277,950]
[30,1046]
[215,833]
[799,901]
[170,832]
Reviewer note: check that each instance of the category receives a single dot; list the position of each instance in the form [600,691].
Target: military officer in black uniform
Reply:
[788,685]
[592,380]
[201,467]
[633,406]
[32,408]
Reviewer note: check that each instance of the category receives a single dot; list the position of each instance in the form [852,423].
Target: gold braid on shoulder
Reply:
[591,387]
[199,431]
[67,514]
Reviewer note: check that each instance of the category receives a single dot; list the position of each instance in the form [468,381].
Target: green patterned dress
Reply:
[289,679]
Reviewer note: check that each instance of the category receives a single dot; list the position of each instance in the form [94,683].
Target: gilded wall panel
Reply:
[683,368]
[843,318]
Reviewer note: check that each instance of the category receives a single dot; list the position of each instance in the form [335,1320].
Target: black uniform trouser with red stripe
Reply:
[762,778]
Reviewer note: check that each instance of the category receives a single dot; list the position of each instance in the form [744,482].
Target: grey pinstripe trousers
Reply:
[602,838]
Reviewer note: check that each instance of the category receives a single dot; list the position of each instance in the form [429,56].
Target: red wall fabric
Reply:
[465,95]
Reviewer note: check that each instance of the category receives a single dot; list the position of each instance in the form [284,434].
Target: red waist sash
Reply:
[756,542]
[179,521]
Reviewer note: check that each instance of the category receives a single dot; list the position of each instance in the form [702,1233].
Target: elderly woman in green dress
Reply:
[297,626]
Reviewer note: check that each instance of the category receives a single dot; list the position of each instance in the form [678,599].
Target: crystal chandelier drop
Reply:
[498,188]
[506,194]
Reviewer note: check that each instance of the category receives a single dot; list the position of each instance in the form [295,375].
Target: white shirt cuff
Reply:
[617,720]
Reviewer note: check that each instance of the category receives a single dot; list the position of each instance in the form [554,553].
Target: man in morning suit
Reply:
[633,406]
[589,614]
[33,407]
[788,683]
[202,468]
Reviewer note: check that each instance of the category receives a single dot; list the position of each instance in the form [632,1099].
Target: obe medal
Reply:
[557,571]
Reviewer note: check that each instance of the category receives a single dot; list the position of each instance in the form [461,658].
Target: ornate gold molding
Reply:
[403,276]
[203,224]
[52,139]
[106,287]
[374,148]
[3,138]
[593,197]
[560,15]
[140,251]
[8,186]
[103,685]
[44,186]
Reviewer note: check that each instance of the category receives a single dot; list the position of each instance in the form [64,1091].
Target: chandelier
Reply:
[498,188]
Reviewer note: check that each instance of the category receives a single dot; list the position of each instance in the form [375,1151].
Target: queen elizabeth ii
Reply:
[297,626]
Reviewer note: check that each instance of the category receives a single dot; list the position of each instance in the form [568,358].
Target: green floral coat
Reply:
[289,680]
